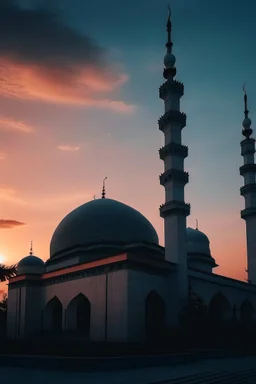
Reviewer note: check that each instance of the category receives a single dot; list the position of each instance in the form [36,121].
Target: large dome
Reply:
[101,221]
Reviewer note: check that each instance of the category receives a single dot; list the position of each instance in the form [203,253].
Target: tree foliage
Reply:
[7,272]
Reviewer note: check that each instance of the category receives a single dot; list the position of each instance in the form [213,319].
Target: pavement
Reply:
[240,370]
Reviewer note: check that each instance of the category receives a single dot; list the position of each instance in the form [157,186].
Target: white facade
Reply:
[108,279]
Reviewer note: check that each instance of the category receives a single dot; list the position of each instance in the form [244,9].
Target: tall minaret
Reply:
[174,179]
[248,171]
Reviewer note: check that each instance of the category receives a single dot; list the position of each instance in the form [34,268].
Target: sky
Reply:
[79,101]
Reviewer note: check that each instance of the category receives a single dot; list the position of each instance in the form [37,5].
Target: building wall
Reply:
[24,312]
[94,288]
[140,285]
[236,292]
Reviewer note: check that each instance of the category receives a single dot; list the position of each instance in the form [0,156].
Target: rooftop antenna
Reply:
[103,189]
[196,224]
[31,248]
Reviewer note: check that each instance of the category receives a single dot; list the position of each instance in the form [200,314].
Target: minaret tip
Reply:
[247,130]
[31,248]
[103,189]
[169,59]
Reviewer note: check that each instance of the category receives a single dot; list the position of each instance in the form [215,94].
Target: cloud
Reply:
[8,124]
[68,148]
[42,58]
[10,223]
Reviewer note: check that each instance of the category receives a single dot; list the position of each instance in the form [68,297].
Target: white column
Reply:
[174,210]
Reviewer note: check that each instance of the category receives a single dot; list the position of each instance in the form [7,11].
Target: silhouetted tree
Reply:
[7,272]
[3,303]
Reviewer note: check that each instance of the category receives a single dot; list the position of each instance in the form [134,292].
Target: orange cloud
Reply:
[51,62]
[68,148]
[9,124]
[10,223]
[81,86]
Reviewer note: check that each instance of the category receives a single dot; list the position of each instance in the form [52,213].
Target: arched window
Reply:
[79,315]
[220,310]
[154,315]
[247,312]
[53,315]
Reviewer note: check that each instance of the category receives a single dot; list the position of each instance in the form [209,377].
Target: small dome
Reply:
[31,265]
[197,242]
[247,122]
[169,60]
[102,222]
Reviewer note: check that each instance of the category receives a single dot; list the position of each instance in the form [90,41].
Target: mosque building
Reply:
[108,279]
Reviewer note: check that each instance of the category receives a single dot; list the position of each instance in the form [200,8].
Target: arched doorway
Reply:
[53,315]
[79,315]
[220,311]
[154,315]
[247,312]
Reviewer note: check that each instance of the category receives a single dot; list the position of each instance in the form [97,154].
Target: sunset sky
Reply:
[79,101]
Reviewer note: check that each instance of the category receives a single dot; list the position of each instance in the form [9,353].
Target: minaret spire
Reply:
[31,248]
[104,189]
[174,211]
[169,59]
[247,131]
[248,191]
[169,28]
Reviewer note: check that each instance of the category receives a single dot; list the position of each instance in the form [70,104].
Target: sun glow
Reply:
[2,258]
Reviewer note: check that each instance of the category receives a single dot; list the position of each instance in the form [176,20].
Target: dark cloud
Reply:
[39,35]
[43,58]
[10,223]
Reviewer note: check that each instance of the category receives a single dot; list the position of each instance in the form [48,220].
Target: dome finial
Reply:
[247,131]
[196,224]
[103,188]
[31,248]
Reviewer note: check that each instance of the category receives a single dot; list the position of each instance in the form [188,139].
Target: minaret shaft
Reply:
[248,171]
[174,179]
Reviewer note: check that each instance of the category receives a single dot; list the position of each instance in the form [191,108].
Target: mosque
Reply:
[108,279]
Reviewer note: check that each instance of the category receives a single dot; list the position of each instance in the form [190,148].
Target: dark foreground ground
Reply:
[240,370]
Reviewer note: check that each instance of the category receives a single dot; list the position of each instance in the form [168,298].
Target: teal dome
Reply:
[99,222]
[197,242]
[31,265]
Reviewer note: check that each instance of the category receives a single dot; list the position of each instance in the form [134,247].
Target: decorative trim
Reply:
[247,212]
[247,168]
[174,208]
[181,177]
[130,262]
[173,149]
[173,86]
[248,188]
[172,116]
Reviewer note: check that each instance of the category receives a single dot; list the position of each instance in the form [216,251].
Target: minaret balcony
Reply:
[248,212]
[172,116]
[175,175]
[173,149]
[171,87]
[249,188]
[174,208]
[247,168]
